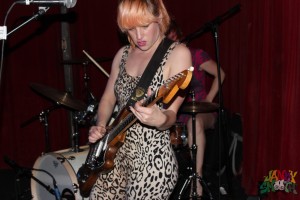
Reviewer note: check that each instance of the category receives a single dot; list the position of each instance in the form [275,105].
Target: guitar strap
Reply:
[142,86]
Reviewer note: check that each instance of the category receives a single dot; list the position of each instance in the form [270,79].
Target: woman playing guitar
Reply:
[145,166]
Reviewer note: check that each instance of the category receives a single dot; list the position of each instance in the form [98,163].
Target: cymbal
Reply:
[84,61]
[198,107]
[62,98]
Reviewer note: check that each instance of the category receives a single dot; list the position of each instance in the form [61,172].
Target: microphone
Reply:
[67,3]
[11,163]
[14,165]
[20,171]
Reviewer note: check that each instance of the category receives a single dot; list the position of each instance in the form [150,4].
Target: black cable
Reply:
[54,191]
[3,41]
[39,13]
[27,171]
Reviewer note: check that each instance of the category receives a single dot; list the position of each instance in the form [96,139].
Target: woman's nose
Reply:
[139,33]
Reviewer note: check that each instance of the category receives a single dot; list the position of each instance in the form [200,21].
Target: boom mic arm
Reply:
[67,3]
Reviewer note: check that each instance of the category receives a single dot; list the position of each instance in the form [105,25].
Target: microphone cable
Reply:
[3,41]
[42,10]
[54,191]
[25,170]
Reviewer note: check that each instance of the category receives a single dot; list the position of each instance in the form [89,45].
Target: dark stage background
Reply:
[259,51]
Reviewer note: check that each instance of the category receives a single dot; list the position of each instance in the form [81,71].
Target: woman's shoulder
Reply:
[181,51]
[121,52]
[179,59]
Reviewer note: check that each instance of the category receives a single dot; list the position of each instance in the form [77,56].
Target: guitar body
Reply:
[87,176]
[88,173]
[100,158]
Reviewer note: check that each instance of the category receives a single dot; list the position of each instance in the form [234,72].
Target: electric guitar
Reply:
[100,158]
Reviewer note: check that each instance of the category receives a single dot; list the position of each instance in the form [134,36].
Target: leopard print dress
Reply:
[145,165]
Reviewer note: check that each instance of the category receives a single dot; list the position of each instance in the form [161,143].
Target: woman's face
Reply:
[144,37]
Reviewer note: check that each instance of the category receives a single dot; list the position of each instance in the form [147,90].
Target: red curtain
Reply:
[259,51]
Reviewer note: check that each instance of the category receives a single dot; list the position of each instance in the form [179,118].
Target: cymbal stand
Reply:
[213,26]
[194,176]
[75,135]
[90,97]
[78,116]
[43,118]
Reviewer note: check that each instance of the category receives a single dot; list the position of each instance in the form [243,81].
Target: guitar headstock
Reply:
[172,85]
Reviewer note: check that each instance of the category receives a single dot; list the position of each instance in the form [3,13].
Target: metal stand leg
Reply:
[75,136]
[194,176]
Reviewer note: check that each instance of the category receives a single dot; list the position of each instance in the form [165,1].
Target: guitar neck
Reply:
[156,96]
[121,126]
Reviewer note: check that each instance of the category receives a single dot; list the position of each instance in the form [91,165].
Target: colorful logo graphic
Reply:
[283,180]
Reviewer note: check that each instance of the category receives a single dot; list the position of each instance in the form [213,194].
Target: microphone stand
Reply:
[213,26]
[220,96]
[221,117]
[42,10]
[21,171]
[208,25]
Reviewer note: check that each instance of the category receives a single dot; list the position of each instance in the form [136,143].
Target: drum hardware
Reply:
[86,117]
[93,103]
[86,78]
[85,62]
[178,135]
[82,117]
[43,118]
[63,159]
[60,98]
[115,112]
[75,135]
[193,109]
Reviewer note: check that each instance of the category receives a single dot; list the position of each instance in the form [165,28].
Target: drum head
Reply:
[60,166]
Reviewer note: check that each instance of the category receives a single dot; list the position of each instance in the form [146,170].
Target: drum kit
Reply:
[54,173]
[61,165]
[59,168]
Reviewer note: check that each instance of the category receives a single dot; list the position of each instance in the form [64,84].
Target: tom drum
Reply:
[178,135]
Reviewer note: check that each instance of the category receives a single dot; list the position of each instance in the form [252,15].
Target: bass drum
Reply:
[62,167]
